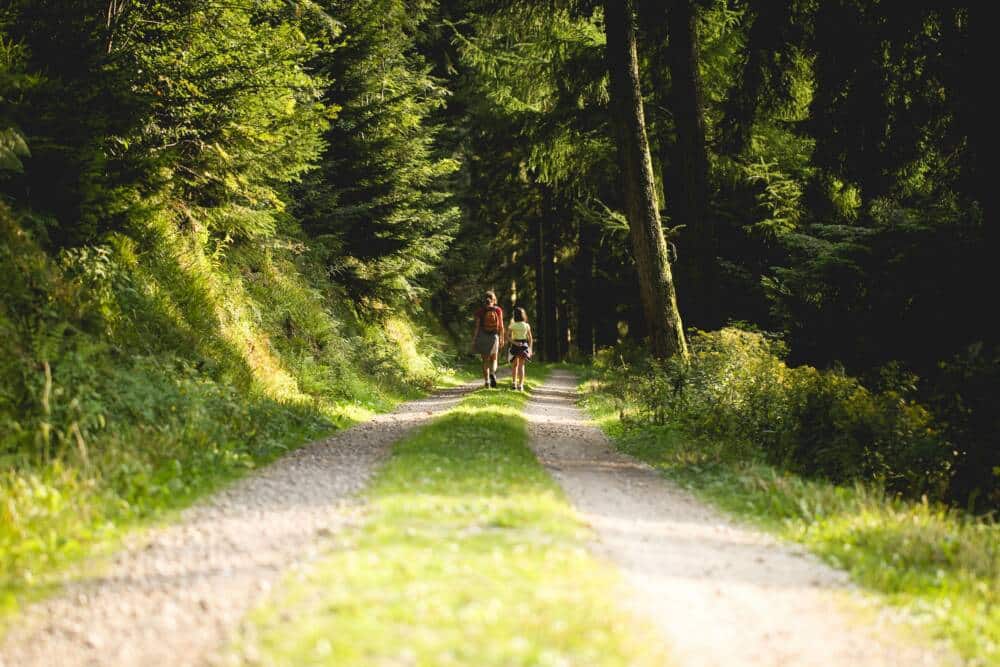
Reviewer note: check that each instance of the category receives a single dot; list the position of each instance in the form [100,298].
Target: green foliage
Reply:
[780,196]
[256,197]
[167,324]
[206,111]
[12,149]
[13,82]
[229,163]
[741,402]
[380,203]
[965,398]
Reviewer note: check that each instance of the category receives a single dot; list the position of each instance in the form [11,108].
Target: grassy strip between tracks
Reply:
[469,555]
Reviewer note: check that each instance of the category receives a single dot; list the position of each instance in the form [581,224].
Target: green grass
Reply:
[469,555]
[938,564]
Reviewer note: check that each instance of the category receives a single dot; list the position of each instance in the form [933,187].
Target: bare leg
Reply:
[486,368]
[492,369]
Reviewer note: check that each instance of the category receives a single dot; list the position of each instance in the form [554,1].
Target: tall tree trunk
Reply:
[686,182]
[550,331]
[539,324]
[563,316]
[584,297]
[656,284]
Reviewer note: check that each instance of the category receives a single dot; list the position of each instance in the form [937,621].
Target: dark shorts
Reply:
[487,344]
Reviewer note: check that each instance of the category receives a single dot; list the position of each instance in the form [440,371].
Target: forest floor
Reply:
[459,549]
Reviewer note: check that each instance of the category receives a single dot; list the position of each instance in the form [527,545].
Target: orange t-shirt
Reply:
[482,311]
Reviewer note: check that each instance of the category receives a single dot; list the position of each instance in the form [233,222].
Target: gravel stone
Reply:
[175,594]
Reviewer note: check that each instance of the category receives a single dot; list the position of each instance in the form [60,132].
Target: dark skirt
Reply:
[518,349]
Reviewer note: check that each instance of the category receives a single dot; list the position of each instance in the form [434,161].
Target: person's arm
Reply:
[531,340]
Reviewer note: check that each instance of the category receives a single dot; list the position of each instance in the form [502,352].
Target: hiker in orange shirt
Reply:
[487,336]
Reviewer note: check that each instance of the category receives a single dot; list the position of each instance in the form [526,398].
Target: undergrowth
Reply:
[138,374]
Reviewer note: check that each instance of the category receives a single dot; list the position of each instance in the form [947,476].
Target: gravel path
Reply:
[722,594]
[171,596]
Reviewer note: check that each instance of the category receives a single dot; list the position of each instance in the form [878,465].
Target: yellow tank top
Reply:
[519,330]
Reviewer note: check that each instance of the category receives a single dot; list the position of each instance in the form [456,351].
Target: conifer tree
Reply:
[380,203]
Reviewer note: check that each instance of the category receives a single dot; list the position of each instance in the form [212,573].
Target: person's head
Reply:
[520,315]
[490,299]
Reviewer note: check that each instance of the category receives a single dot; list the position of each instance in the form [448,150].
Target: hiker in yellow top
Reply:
[520,340]
[487,336]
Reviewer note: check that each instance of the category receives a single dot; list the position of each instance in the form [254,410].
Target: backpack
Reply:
[490,322]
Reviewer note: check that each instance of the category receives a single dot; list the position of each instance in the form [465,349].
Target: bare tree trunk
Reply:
[687,178]
[562,315]
[550,331]
[539,324]
[584,284]
[656,284]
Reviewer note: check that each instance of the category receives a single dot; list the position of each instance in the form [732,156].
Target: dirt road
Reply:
[722,594]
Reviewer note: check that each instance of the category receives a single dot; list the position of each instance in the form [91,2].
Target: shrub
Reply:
[737,399]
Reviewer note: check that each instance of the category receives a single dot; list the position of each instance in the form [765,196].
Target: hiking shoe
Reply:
[493,380]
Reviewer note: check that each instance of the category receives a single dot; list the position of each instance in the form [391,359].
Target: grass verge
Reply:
[939,565]
[470,555]
[59,515]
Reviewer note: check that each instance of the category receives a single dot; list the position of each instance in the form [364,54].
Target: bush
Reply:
[735,398]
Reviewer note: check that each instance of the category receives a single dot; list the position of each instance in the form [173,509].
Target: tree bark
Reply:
[584,297]
[539,325]
[563,315]
[550,331]
[686,182]
[656,283]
